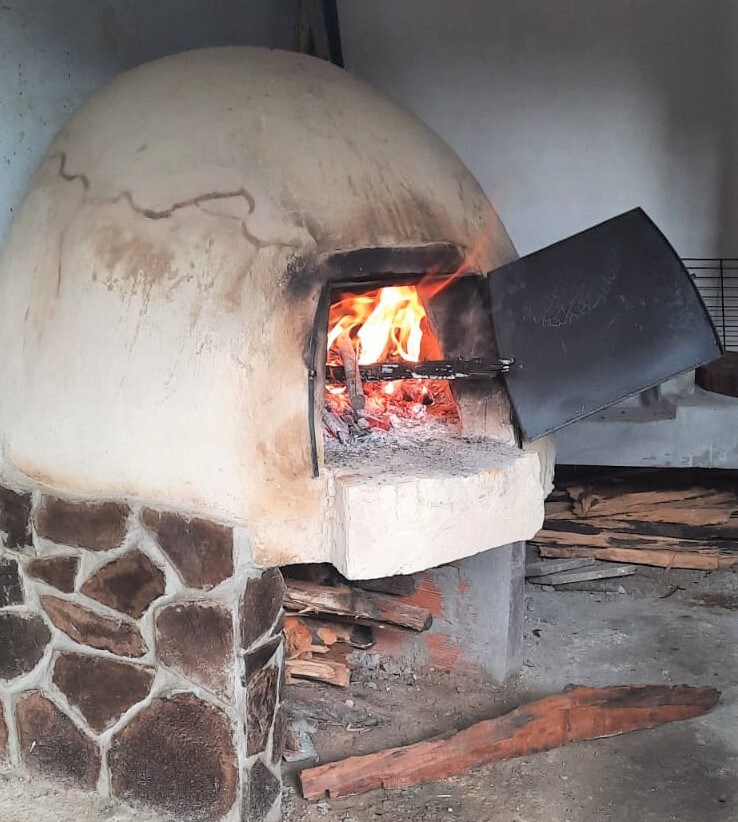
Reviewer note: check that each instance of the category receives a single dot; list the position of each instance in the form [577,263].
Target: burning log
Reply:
[337,427]
[351,371]
[362,607]
[575,715]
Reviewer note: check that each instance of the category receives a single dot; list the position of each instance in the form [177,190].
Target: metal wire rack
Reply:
[716,279]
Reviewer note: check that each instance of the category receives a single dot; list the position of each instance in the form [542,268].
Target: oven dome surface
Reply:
[160,281]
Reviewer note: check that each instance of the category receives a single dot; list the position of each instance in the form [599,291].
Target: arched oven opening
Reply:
[401,358]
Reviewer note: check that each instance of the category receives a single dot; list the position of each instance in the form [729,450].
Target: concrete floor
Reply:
[685,772]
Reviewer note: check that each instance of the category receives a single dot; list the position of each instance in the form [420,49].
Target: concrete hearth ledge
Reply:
[400,510]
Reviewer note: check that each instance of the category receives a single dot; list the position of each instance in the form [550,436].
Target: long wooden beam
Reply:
[577,714]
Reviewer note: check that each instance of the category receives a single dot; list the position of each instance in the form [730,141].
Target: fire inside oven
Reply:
[376,342]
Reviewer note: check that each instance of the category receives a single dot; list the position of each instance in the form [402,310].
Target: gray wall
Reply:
[55,53]
[570,111]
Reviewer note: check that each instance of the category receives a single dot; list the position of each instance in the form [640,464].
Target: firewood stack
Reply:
[666,518]
[328,618]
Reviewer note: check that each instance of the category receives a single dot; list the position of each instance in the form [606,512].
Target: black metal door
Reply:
[594,319]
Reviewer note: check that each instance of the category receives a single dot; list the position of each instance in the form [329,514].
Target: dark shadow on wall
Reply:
[727,60]
[54,55]
[121,34]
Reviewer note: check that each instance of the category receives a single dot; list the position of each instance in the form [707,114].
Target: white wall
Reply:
[570,111]
[55,53]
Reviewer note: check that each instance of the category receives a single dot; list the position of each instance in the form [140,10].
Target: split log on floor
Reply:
[587,502]
[721,510]
[362,607]
[673,530]
[604,570]
[554,566]
[575,715]
[584,534]
[330,671]
[660,557]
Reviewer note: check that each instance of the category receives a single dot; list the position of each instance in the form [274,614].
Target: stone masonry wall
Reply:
[140,656]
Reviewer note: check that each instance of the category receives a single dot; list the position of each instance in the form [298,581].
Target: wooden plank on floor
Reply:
[544,567]
[661,558]
[577,714]
[604,570]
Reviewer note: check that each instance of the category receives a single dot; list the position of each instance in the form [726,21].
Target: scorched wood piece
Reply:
[575,715]
[363,607]
[613,502]
[621,546]
[662,557]
[351,371]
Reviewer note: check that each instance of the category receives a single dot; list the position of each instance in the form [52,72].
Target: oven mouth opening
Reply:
[424,348]
[380,354]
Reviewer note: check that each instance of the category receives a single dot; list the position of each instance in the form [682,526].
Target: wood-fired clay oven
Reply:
[158,296]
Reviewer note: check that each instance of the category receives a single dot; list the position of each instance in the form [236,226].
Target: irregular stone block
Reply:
[119,636]
[51,744]
[96,526]
[200,550]
[255,660]
[128,584]
[11,588]
[178,755]
[3,734]
[58,571]
[264,789]
[101,689]
[196,639]
[261,701]
[260,605]
[23,639]
[15,514]
[279,735]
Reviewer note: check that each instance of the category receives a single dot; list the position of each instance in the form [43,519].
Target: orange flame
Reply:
[388,324]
